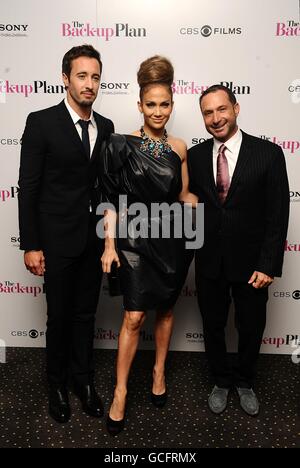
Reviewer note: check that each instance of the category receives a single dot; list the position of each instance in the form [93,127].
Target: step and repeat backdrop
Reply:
[251,47]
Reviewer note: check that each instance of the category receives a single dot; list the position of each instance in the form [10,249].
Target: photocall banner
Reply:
[251,47]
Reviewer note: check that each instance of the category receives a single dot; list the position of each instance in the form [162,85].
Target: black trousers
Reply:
[72,292]
[214,298]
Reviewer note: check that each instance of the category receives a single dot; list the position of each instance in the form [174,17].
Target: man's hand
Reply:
[35,262]
[260,280]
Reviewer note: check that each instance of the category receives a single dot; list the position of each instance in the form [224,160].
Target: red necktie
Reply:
[222,180]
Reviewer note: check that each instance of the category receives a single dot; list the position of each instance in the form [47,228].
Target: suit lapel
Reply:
[68,125]
[242,160]
[99,136]
[210,172]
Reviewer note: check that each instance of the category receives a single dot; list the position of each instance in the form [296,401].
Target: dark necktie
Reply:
[84,124]
[222,179]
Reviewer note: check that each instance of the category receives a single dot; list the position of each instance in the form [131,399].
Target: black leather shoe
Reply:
[91,403]
[159,400]
[114,427]
[59,408]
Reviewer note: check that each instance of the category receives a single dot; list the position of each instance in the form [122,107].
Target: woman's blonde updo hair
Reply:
[155,70]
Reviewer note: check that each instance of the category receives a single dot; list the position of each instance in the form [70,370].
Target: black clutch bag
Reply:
[114,285]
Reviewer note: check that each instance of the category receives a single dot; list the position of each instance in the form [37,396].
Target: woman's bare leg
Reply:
[128,343]
[163,331]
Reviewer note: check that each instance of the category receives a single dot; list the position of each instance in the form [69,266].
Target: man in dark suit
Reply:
[243,184]
[57,202]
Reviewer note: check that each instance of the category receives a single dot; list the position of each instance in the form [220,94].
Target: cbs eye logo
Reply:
[33,334]
[296,294]
[206,30]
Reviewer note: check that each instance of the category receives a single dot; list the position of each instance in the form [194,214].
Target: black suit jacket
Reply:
[248,232]
[57,181]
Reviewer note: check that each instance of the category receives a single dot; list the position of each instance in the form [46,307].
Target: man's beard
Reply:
[83,102]
[86,103]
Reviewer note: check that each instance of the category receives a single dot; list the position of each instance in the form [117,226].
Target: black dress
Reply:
[153,270]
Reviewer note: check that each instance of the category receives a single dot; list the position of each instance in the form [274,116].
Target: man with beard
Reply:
[57,202]
[243,184]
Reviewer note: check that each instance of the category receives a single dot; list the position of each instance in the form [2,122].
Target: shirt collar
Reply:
[232,144]
[75,117]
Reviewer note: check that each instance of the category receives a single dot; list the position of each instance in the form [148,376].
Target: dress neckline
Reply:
[140,138]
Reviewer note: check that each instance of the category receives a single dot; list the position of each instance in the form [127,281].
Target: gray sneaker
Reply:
[217,400]
[248,401]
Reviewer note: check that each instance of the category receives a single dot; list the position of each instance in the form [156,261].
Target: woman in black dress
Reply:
[149,167]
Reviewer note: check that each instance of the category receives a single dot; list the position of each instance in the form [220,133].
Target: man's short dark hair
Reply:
[219,87]
[79,51]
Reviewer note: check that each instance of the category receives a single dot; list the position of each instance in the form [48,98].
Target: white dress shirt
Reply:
[93,130]
[233,146]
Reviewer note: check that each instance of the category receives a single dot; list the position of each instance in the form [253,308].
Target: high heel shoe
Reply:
[159,400]
[114,427]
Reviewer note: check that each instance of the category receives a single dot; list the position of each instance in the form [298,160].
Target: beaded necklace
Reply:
[155,148]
